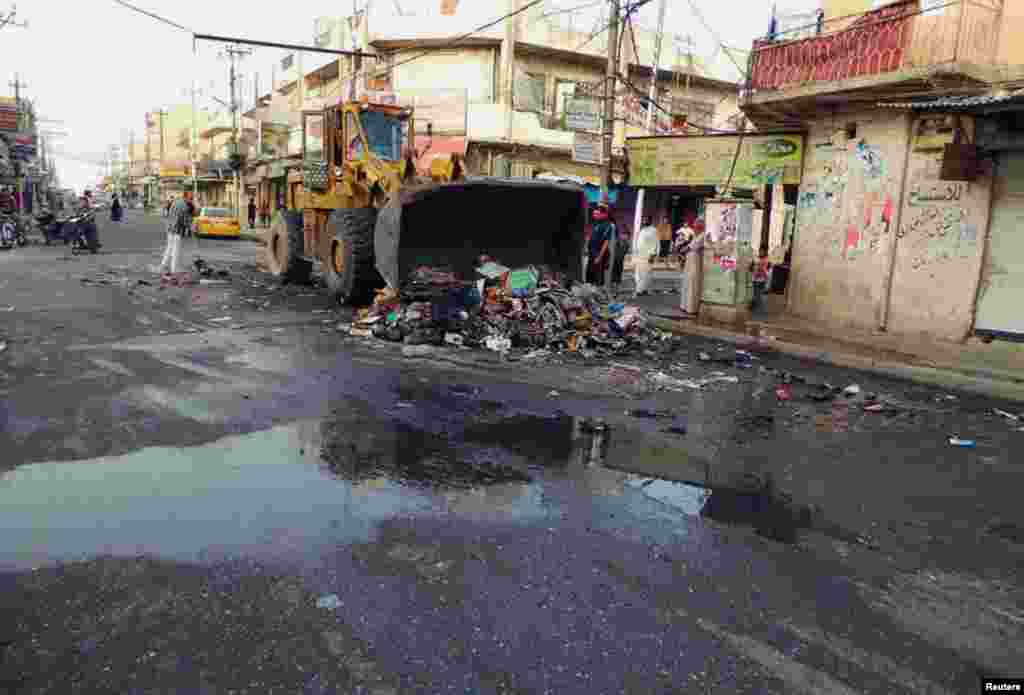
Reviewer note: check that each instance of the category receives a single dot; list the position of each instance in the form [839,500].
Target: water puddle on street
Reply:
[307,486]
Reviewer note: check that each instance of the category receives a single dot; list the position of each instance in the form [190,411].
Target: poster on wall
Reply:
[706,160]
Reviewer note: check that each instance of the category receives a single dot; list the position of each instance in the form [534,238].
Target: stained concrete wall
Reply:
[845,218]
[939,249]
[468,68]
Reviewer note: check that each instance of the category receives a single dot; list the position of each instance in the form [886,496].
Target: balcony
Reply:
[906,43]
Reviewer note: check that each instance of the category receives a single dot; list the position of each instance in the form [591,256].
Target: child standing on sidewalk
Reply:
[760,268]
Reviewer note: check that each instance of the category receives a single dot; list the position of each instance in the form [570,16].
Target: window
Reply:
[529,92]
[698,113]
[384,134]
[214,212]
[564,91]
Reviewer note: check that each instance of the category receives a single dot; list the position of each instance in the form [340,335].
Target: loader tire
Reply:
[284,254]
[350,267]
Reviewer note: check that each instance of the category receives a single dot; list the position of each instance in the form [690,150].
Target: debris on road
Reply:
[851,390]
[221,319]
[784,392]
[645,413]
[965,443]
[3,346]
[504,309]
[1008,416]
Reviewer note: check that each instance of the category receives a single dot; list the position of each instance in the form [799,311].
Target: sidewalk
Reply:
[995,369]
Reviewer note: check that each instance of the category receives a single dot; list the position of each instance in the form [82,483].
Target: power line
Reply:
[634,7]
[153,16]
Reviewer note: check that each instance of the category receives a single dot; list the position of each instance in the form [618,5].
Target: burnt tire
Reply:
[350,268]
[285,248]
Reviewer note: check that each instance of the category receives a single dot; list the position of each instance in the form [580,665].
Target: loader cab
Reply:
[352,131]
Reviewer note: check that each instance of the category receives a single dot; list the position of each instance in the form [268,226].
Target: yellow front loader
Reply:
[361,209]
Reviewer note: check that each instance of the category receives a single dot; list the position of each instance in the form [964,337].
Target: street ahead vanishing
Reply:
[211,489]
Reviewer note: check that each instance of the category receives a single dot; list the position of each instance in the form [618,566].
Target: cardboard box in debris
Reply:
[501,309]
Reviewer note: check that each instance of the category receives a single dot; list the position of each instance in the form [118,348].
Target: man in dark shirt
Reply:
[599,251]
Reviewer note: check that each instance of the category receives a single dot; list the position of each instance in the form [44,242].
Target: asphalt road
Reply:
[211,490]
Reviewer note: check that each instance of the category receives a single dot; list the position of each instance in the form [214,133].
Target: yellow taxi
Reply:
[218,222]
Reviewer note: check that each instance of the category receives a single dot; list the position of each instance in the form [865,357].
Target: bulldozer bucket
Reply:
[518,222]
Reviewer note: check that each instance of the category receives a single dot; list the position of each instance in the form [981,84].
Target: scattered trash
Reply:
[553,394]
[320,311]
[784,392]
[205,281]
[704,357]
[360,332]
[3,346]
[417,350]
[851,390]
[644,413]
[744,360]
[342,327]
[8,308]
[875,408]
[965,443]
[403,404]
[1008,416]
[454,339]
[222,319]
[498,344]
[678,427]
[329,602]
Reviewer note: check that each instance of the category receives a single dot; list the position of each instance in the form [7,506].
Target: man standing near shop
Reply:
[693,271]
[601,234]
[252,212]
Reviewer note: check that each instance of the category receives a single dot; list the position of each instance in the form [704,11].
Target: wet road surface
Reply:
[272,508]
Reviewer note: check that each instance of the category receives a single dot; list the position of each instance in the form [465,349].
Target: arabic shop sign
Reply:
[705,160]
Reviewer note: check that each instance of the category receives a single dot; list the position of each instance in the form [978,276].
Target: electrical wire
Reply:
[154,16]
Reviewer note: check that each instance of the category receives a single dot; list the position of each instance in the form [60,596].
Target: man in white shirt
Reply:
[645,248]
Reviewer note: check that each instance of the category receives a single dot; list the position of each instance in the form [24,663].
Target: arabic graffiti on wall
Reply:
[847,208]
[928,192]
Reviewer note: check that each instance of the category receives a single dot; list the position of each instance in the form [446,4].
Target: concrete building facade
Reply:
[887,236]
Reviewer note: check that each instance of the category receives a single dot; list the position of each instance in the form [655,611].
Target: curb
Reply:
[930,375]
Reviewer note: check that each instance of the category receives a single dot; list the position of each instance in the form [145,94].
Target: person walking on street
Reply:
[619,263]
[116,210]
[265,214]
[644,251]
[252,213]
[600,244]
[167,207]
[179,225]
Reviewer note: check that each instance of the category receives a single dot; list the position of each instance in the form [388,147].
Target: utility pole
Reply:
[508,62]
[18,84]
[608,126]
[652,101]
[159,171]
[8,21]
[233,53]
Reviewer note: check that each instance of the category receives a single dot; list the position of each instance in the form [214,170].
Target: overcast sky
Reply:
[99,67]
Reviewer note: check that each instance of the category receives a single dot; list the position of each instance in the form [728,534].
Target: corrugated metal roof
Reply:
[952,103]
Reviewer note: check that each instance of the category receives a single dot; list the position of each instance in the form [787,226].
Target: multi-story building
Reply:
[913,176]
[521,130]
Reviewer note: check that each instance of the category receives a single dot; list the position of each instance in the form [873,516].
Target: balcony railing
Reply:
[895,37]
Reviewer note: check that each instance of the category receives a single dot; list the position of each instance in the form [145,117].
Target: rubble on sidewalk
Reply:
[528,309]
